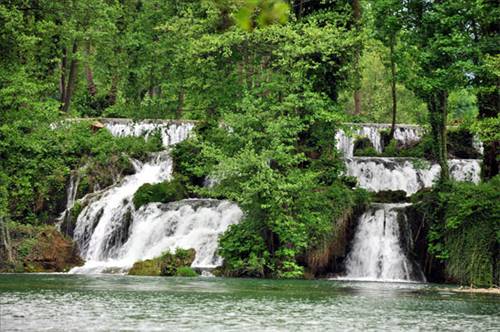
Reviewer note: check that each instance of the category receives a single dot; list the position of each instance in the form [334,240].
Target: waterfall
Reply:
[156,228]
[407,174]
[64,219]
[112,235]
[377,251]
[404,135]
[171,132]
[99,228]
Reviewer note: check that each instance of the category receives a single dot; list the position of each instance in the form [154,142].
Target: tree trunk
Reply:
[301,8]
[438,115]
[111,96]
[489,104]
[73,71]
[62,81]
[357,101]
[180,104]
[393,91]
[91,87]
[356,10]
[5,238]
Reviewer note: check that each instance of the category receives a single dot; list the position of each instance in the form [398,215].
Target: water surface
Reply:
[59,302]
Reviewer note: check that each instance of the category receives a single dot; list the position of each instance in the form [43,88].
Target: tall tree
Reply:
[436,35]
[388,24]
[356,14]
[485,32]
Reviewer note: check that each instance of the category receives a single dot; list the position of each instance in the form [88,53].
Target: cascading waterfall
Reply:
[112,235]
[71,192]
[156,228]
[404,134]
[171,132]
[377,252]
[99,228]
[407,174]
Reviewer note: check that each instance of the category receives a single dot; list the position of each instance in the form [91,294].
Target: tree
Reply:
[356,15]
[486,38]
[435,33]
[387,25]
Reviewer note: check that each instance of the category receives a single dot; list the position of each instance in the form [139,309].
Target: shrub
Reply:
[186,271]
[465,230]
[165,265]
[163,192]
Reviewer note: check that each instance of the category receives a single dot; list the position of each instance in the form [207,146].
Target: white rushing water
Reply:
[404,134]
[377,253]
[171,132]
[71,192]
[156,228]
[407,174]
[112,235]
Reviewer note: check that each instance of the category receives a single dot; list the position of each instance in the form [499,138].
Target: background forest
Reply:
[283,76]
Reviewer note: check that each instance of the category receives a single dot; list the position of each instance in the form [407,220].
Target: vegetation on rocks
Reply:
[163,192]
[464,234]
[38,249]
[460,145]
[167,264]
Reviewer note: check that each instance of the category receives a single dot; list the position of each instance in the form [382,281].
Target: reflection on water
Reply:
[58,302]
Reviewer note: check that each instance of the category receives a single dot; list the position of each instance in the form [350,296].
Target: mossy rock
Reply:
[186,271]
[363,147]
[390,196]
[48,251]
[168,264]
[148,267]
[163,192]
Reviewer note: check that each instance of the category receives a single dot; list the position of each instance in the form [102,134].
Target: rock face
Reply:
[51,252]
[166,265]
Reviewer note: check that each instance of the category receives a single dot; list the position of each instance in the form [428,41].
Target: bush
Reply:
[167,264]
[461,144]
[465,230]
[163,192]
[363,147]
[186,271]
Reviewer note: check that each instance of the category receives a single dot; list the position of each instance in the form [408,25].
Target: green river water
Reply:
[59,302]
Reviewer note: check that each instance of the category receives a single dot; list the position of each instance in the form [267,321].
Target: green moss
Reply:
[24,248]
[186,271]
[367,152]
[167,264]
[149,267]
[363,147]
[162,192]
[40,249]
[75,211]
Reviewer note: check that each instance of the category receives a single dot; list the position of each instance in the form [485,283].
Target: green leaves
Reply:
[465,228]
[262,13]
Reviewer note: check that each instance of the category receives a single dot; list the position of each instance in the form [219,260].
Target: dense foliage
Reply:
[465,230]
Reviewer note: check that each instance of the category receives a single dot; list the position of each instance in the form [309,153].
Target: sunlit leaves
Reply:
[261,13]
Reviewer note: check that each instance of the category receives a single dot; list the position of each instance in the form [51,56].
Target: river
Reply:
[60,302]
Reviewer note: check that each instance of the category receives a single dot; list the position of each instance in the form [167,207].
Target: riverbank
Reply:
[492,290]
